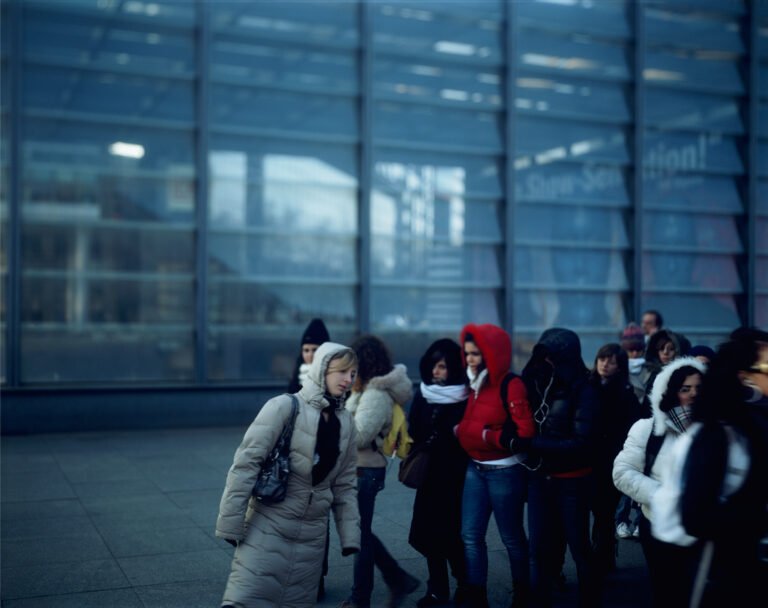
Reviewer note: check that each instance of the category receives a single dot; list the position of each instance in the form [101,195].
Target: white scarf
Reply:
[303,373]
[453,393]
[635,365]
[476,382]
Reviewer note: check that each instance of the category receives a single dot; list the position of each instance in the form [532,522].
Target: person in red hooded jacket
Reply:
[496,479]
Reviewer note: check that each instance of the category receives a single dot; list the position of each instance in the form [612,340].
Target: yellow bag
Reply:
[398,442]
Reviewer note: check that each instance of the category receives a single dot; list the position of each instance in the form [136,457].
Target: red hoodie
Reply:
[485,410]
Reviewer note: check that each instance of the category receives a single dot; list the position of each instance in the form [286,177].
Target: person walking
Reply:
[279,547]
[565,409]
[638,470]
[724,499]
[435,532]
[379,385]
[497,411]
[619,409]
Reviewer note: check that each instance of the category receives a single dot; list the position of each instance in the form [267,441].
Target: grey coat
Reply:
[280,549]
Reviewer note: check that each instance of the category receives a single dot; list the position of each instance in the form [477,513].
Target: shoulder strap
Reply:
[652,450]
[284,442]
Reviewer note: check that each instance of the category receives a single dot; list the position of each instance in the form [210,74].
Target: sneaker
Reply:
[636,532]
[397,593]
[623,531]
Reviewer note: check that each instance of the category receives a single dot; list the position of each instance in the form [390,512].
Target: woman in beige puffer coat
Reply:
[279,554]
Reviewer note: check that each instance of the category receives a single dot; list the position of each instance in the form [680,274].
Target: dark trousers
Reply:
[556,507]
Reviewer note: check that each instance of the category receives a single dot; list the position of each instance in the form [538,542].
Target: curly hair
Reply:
[373,358]
[676,380]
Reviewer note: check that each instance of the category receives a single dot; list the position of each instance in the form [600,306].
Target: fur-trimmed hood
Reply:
[660,388]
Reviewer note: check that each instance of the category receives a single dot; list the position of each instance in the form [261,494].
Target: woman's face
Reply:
[473,356]
[337,381]
[667,352]
[440,372]
[607,366]
[688,392]
[757,377]
[308,352]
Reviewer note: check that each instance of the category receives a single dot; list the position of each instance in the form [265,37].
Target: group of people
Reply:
[566,440]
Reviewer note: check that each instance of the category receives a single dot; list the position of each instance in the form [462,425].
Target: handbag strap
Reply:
[283,445]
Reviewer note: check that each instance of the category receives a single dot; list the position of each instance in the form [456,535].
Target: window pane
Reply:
[662,69]
[686,152]
[441,128]
[536,310]
[310,69]
[572,141]
[546,53]
[122,96]
[422,31]
[598,18]
[569,98]
[691,273]
[675,110]
[233,106]
[688,313]
[551,268]
[692,30]
[665,189]
[446,310]
[572,226]
[588,184]
[684,231]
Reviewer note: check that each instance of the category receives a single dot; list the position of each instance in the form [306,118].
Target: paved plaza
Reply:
[126,519]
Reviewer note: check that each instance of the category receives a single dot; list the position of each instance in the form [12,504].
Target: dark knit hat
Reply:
[632,338]
[316,333]
[702,351]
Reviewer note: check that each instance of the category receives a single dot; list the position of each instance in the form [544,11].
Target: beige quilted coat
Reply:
[279,556]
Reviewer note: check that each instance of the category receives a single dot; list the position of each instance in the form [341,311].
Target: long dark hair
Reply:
[373,358]
[676,380]
[622,360]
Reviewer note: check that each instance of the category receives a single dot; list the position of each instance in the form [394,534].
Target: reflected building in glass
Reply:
[186,183]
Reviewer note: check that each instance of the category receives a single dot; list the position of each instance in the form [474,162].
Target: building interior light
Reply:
[121,148]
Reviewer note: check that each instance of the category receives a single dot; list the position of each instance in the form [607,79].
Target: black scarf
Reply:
[327,446]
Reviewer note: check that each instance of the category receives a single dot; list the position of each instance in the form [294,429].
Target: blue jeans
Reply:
[559,508]
[624,510]
[501,491]
[370,481]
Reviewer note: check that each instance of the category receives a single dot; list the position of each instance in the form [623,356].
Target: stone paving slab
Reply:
[126,519]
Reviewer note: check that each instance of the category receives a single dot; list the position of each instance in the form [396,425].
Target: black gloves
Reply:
[349,551]
[508,433]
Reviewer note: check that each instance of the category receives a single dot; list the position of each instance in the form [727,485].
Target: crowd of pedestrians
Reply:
[660,440]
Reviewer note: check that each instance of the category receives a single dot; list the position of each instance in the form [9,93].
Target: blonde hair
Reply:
[342,361]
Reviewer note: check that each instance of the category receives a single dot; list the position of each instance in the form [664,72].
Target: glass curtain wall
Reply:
[107,192]
[573,113]
[198,179]
[283,167]
[437,200]
[694,177]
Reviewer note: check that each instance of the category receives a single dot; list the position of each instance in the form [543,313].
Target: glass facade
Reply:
[184,184]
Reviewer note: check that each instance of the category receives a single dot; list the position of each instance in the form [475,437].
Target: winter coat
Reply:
[371,409]
[485,410]
[436,523]
[279,557]
[628,468]
[564,404]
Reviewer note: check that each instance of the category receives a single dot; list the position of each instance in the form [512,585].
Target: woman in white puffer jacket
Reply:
[638,469]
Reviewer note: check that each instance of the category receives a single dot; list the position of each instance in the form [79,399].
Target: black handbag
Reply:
[413,469]
[272,483]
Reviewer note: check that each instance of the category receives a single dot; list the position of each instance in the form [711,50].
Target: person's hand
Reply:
[508,434]
[231,542]
[349,551]
[456,430]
